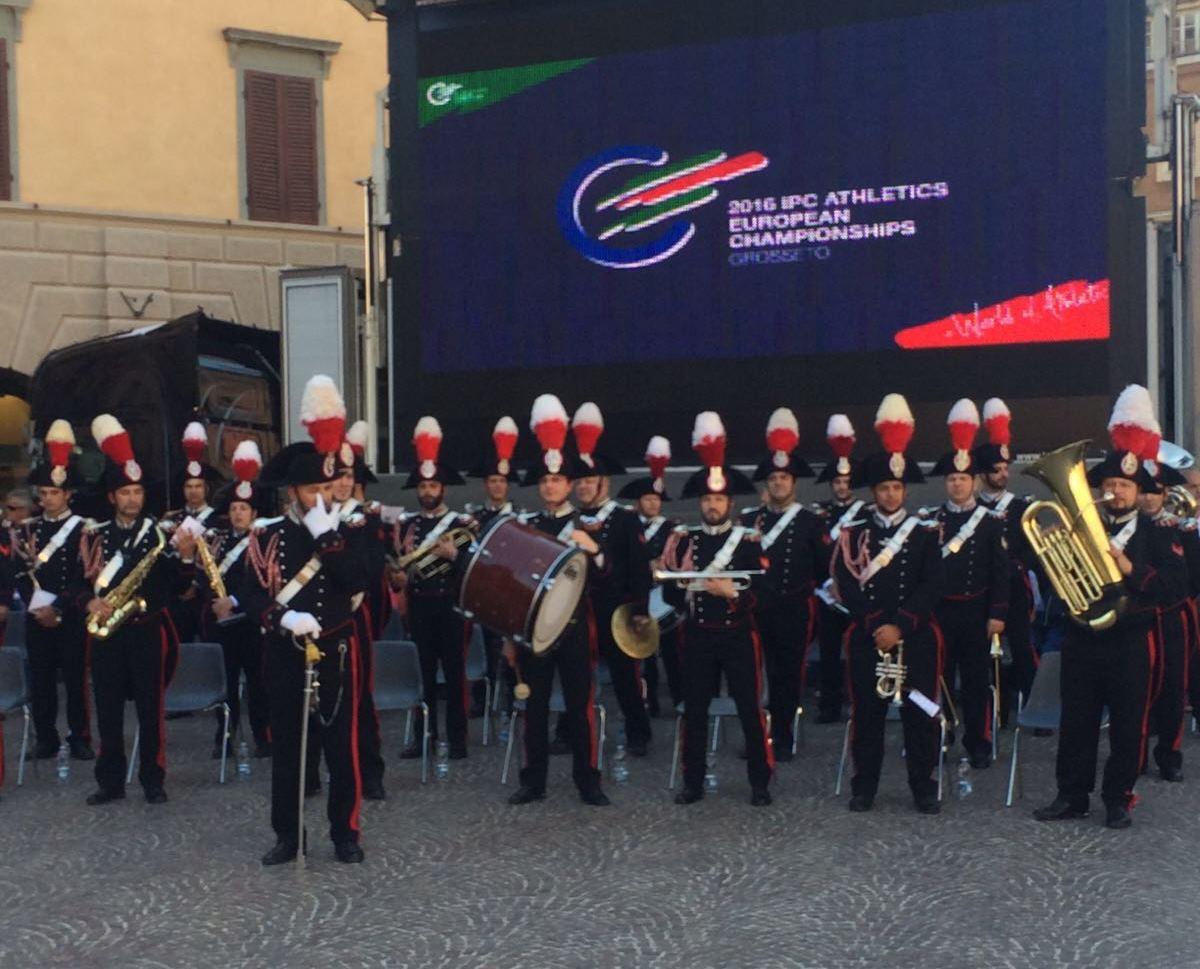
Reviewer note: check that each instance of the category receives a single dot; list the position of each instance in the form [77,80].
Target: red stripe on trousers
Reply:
[768,747]
[163,646]
[354,812]
[1152,657]
[593,654]
[849,681]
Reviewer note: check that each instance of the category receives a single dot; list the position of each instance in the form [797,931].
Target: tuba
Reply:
[1070,541]
[1180,502]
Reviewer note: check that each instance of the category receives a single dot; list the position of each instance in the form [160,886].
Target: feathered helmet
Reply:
[894,426]
[1135,435]
[323,415]
[997,421]
[783,436]
[658,456]
[427,442]
[715,477]
[247,465]
[121,468]
[56,469]
[500,461]
[586,427]
[839,435]
[195,454]
[548,421]
[963,423]
[355,448]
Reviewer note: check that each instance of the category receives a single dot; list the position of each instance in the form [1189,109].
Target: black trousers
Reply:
[831,630]
[1018,630]
[130,664]
[1109,669]
[50,650]
[572,658]
[668,652]
[1171,676]
[441,637]
[370,740]
[338,673]
[707,653]
[784,623]
[626,677]
[242,644]
[492,645]
[968,655]
[869,713]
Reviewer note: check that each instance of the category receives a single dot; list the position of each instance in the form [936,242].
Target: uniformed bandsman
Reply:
[888,571]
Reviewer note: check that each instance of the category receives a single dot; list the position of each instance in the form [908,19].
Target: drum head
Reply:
[560,595]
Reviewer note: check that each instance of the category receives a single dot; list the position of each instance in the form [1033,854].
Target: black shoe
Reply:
[784,754]
[596,798]
[1117,817]
[262,750]
[526,795]
[636,748]
[348,852]
[860,803]
[1060,809]
[411,752]
[458,753]
[477,711]
[760,797]
[559,746]
[1172,774]
[828,716]
[374,792]
[156,795]
[81,750]
[928,805]
[981,761]
[313,789]
[1043,732]
[103,797]
[282,853]
[689,795]
[42,752]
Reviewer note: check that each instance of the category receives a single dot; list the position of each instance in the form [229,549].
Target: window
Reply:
[281,148]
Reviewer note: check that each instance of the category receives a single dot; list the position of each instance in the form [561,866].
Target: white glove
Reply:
[41,599]
[300,623]
[191,526]
[319,519]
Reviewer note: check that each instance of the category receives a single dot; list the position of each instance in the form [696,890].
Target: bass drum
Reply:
[522,583]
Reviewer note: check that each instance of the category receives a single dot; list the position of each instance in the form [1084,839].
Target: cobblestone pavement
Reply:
[455,877]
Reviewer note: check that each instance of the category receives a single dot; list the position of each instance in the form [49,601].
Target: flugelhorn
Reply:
[695,581]
[1069,539]
[891,673]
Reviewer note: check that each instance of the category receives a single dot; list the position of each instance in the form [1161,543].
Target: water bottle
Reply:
[243,758]
[710,771]
[441,767]
[64,762]
[964,785]
[620,766]
[505,726]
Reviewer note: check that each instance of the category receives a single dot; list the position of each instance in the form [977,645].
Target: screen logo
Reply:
[660,195]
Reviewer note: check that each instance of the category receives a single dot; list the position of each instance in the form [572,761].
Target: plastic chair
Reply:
[476,671]
[718,707]
[1043,710]
[893,713]
[393,629]
[14,629]
[14,695]
[400,686]
[558,704]
[198,685]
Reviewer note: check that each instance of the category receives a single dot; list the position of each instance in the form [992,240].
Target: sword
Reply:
[312,656]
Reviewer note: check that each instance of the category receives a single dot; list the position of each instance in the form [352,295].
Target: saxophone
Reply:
[124,599]
[211,570]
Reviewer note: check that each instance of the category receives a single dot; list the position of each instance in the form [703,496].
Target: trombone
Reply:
[695,581]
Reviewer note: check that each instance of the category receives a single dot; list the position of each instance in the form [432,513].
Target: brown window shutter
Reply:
[299,155]
[264,140]
[5,128]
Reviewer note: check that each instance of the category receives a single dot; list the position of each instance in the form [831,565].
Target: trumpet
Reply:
[892,673]
[425,563]
[695,581]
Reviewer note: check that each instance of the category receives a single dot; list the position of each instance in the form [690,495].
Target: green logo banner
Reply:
[463,93]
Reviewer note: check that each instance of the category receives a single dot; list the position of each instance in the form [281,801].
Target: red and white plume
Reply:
[504,440]
[783,434]
[963,422]
[548,421]
[357,437]
[323,413]
[60,441]
[114,441]
[195,444]
[894,424]
[839,433]
[247,462]
[427,439]
[587,426]
[1133,426]
[658,456]
[708,441]
[997,419]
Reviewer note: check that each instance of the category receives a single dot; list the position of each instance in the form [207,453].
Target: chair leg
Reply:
[716,734]
[797,728]
[133,754]
[1012,766]
[508,749]
[408,727]
[941,768]
[837,790]
[487,711]
[675,752]
[603,735]
[24,744]
[425,744]
[225,743]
